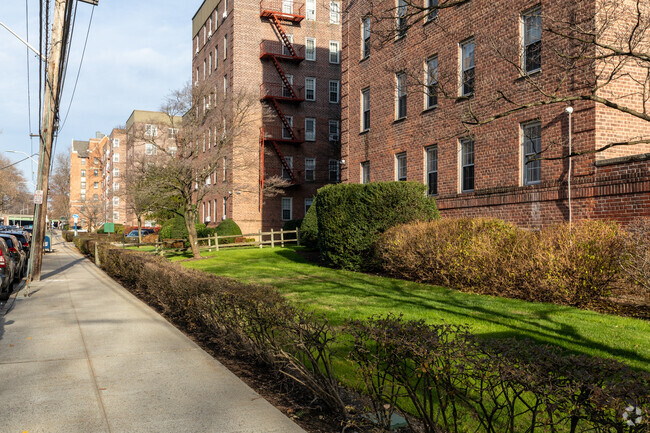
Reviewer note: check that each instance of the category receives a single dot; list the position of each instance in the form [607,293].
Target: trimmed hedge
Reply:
[290,226]
[309,228]
[175,229]
[443,374]
[572,267]
[351,217]
[228,227]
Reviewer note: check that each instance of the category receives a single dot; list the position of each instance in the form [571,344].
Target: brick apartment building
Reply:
[86,172]
[286,56]
[405,93]
[114,158]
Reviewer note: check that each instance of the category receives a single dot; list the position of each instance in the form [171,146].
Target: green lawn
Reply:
[342,294]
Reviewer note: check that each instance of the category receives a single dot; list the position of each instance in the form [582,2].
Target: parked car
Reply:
[145,231]
[24,238]
[17,253]
[7,270]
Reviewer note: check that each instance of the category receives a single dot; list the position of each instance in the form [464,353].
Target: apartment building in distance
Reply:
[114,161]
[86,172]
[484,105]
[285,55]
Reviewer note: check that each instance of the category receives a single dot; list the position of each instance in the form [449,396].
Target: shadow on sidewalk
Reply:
[61,269]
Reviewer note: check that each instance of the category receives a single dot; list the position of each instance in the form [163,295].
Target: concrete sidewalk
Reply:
[82,354]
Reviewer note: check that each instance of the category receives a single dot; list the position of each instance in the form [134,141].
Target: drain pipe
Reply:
[569,111]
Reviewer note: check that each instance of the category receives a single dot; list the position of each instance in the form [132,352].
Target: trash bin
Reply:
[47,246]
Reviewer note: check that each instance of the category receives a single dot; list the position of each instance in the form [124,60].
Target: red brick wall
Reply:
[246,31]
[499,189]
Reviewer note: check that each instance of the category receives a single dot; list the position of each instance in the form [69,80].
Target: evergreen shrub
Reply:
[352,216]
[228,227]
[309,228]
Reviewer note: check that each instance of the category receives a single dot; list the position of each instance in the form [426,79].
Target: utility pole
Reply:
[47,136]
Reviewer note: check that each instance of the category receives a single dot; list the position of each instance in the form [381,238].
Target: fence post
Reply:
[260,238]
[97,261]
[216,242]
[282,237]
[298,236]
[272,239]
[209,244]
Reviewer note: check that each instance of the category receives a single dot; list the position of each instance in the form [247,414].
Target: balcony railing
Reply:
[279,91]
[283,9]
[279,133]
[278,49]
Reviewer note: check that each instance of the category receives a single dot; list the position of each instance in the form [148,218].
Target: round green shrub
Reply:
[309,228]
[290,226]
[228,227]
[352,216]
[173,228]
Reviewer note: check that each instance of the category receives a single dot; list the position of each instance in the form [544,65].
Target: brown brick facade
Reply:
[600,188]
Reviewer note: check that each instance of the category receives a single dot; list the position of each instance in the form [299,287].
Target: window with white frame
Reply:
[209,218]
[365,172]
[95,172]
[224,208]
[116,157]
[335,12]
[95,197]
[400,19]
[225,47]
[287,91]
[149,149]
[116,216]
[150,130]
[210,27]
[287,132]
[216,57]
[431,96]
[203,211]
[335,52]
[365,109]
[287,208]
[310,129]
[286,172]
[287,6]
[334,130]
[365,35]
[400,95]
[210,64]
[531,135]
[310,49]
[225,84]
[310,88]
[310,7]
[116,142]
[205,68]
[116,172]
[310,169]
[116,186]
[96,185]
[531,55]
[225,169]
[83,184]
[400,166]
[432,169]
[116,201]
[467,68]
[172,133]
[334,170]
[83,173]
[308,202]
[196,77]
[285,48]
[334,92]
[432,10]
[83,196]
[467,165]
[83,161]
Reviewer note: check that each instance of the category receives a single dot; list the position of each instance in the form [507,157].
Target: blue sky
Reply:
[138,51]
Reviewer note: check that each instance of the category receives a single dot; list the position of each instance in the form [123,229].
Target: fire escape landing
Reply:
[277,94]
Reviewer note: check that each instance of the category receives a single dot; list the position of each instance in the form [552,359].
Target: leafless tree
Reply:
[180,175]
[598,54]
[12,186]
[93,212]
[139,194]
[60,188]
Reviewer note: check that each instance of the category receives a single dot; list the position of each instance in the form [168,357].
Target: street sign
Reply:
[38,196]
[75,216]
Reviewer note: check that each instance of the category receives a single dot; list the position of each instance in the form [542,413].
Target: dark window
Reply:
[467,66]
[432,170]
[400,166]
[365,108]
[400,92]
[365,31]
[532,146]
[467,151]
[432,82]
[532,50]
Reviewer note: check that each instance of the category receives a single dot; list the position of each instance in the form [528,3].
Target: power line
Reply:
[83,53]
[15,163]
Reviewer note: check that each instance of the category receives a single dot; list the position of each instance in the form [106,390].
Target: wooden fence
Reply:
[260,239]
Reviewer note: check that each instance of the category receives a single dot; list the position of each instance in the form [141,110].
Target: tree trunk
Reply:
[191,231]
[139,230]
